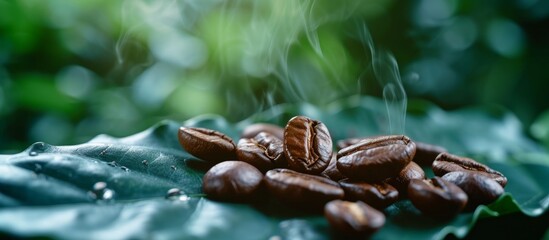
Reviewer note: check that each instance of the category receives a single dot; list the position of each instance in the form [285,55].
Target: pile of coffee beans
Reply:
[297,166]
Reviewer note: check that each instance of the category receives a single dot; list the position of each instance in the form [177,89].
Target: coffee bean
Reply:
[411,171]
[302,189]
[341,144]
[426,153]
[436,197]
[252,130]
[232,181]
[446,162]
[375,159]
[307,145]
[353,219]
[331,171]
[206,144]
[480,188]
[264,151]
[379,195]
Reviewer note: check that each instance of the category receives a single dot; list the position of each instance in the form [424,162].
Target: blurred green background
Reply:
[70,70]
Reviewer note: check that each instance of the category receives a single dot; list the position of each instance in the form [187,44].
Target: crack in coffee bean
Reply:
[307,145]
[446,162]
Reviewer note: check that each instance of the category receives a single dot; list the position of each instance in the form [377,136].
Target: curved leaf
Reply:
[45,191]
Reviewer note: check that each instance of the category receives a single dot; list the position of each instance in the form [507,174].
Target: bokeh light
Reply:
[73,70]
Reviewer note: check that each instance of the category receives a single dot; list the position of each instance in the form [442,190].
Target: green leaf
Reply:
[45,190]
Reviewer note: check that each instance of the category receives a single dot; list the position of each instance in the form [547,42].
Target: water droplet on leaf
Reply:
[37,148]
[175,194]
[99,186]
[101,192]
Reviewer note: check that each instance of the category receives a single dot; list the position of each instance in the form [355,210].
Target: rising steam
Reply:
[387,74]
[272,51]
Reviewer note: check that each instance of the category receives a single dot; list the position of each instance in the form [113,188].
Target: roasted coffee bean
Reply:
[411,171]
[331,171]
[375,159]
[446,162]
[307,145]
[426,153]
[353,219]
[379,195]
[480,188]
[252,130]
[341,144]
[436,197]
[264,151]
[232,181]
[302,189]
[206,144]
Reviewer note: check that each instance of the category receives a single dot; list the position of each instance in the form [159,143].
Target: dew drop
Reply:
[99,186]
[174,167]
[108,194]
[145,162]
[125,168]
[175,194]
[113,164]
[37,148]
[100,192]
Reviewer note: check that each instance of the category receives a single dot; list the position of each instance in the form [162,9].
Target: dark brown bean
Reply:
[480,188]
[353,219]
[307,145]
[426,153]
[331,171]
[302,189]
[206,144]
[252,130]
[446,162]
[379,195]
[264,151]
[341,144]
[232,181]
[411,171]
[436,197]
[376,159]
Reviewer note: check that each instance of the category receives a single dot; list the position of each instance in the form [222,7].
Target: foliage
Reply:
[70,70]
[49,185]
